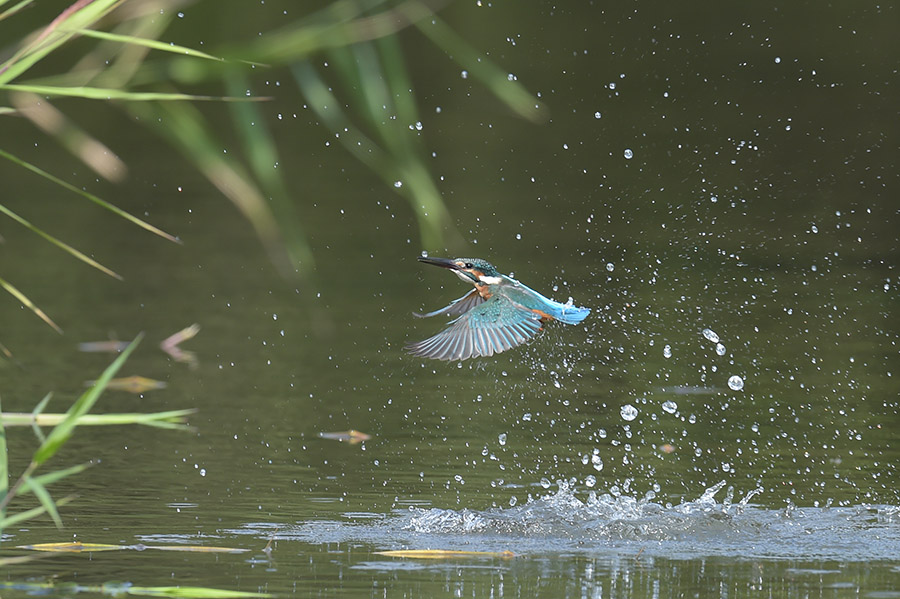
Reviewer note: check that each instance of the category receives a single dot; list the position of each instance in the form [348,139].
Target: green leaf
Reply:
[114,209]
[60,244]
[79,15]
[62,431]
[40,491]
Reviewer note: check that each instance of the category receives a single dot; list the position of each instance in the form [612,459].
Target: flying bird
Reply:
[500,313]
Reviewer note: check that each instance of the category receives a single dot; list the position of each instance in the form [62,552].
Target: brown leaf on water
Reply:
[444,553]
[132,384]
[111,346]
[170,345]
[352,436]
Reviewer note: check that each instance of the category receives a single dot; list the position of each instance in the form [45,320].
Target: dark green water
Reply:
[759,203]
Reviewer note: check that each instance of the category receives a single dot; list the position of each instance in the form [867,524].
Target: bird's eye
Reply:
[468,265]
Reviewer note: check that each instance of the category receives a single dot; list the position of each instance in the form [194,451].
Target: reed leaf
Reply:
[112,208]
[58,243]
[28,304]
[170,419]
[52,477]
[82,14]
[110,93]
[148,43]
[13,9]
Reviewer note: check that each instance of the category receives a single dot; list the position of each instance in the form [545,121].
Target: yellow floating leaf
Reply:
[112,346]
[444,553]
[132,384]
[352,436]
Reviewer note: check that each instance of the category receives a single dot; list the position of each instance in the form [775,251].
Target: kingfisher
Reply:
[500,313]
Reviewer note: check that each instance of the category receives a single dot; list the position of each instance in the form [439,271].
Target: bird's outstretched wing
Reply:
[493,326]
[458,306]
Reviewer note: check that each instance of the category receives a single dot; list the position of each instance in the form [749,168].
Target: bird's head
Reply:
[473,270]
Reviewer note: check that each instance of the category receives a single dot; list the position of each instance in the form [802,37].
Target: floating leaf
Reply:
[352,436]
[132,384]
[444,553]
[170,345]
[76,547]
[111,346]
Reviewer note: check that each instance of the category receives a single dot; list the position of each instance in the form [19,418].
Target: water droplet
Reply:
[545,483]
[735,383]
[398,184]
[597,115]
[667,351]
[670,407]
[628,412]
[502,438]
[610,266]
[513,501]
[597,462]
[464,74]
[720,349]
[590,480]
[777,59]
[711,335]
[527,417]
[628,154]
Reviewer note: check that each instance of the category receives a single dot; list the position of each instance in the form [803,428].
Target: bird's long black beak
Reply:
[448,263]
[442,262]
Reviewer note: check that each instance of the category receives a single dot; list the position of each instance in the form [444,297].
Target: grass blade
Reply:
[28,304]
[173,419]
[52,477]
[79,15]
[32,513]
[109,93]
[148,43]
[13,9]
[62,431]
[58,243]
[114,209]
[40,491]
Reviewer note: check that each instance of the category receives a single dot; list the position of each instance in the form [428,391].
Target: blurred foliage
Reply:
[121,59]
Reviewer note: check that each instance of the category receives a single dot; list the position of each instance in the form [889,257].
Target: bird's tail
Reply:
[572,314]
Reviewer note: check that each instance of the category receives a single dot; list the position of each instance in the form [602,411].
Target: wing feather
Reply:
[483,329]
